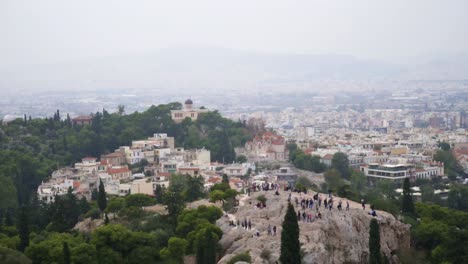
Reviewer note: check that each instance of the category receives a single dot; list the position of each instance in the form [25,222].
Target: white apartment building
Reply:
[388,171]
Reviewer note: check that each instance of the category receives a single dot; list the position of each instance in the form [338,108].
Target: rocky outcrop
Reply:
[88,225]
[339,237]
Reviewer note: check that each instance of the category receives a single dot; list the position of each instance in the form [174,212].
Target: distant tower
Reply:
[188,104]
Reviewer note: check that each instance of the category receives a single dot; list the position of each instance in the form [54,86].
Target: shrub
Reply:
[266,254]
[94,213]
[262,199]
[241,257]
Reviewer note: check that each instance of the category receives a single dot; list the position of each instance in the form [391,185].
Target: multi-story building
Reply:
[269,146]
[187,112]
[286,176]
[388,171]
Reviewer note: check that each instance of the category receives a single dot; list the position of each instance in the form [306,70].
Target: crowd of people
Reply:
[308,207]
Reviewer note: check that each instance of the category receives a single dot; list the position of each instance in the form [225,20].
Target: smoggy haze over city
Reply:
[239,47]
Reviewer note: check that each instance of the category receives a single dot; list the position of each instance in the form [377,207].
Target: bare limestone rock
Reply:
[88,225]
[339,237]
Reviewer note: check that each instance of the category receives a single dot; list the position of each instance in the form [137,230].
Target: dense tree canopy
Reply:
[31,149]
[340,162]
[305,161]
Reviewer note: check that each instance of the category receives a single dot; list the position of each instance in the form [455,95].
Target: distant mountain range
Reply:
[214,69]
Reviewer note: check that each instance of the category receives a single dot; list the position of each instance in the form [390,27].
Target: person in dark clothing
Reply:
[274,230]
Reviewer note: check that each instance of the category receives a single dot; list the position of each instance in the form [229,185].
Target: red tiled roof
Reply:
[277,142]
[119,170]
[328,157]
[236,181]
[165,174]
[76,184]
[214,180]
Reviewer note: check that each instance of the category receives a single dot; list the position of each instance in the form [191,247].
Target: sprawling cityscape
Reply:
[220,133]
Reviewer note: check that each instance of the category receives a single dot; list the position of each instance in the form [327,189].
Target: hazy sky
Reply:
[50,31]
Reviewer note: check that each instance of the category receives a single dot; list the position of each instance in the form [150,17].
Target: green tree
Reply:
[23,229]
[121,109]
[174,203]
[451,165]
[8,195]
[333,179]
[206,244]
[340,162]
[407,205]
[458,197]
[64,212]
[374,243]
[216,195]
[115,205]
[290,246]
[106,219]
[292,147]
[241,159]
[225,179]
[139,200]
[358,182]
[66,253]
[444,146]
[10,256]
[101,199]
[304,183]
[159,193]
[84,254]
[175,250]
[194,189]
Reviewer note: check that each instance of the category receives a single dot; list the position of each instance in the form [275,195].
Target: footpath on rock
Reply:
[338,236]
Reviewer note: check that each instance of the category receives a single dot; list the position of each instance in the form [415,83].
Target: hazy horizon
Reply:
[42,32]
[213,45]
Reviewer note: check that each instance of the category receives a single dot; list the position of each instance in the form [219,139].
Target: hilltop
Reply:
[339,237]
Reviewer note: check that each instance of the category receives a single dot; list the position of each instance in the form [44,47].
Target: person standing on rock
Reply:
[299,215]
[250,225]
[320,200]
[339,205]
[269,230]
[325,203]
[274,230]
[347,205]
[363,204]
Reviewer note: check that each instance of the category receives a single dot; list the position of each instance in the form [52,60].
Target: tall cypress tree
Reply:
[290,246]
[101,199]
[407,206]
[206,244]
[374,243]
[23,228]
[66,253]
